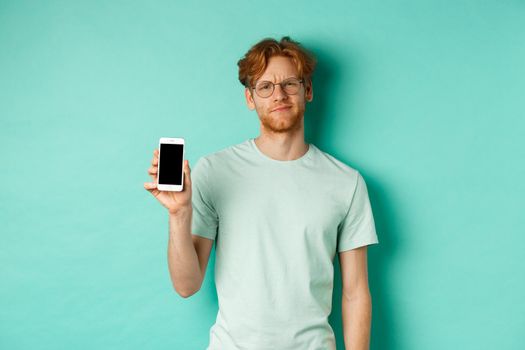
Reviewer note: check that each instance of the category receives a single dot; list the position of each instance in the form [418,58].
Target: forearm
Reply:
[357,317]
[183,261]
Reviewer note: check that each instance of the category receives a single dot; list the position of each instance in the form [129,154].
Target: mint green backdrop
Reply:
[424,98]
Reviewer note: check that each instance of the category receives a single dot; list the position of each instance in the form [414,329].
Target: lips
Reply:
[281,108]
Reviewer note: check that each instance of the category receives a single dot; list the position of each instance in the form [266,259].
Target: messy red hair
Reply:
[255,61]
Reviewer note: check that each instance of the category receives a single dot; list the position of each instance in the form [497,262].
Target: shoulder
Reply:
[328,163]
[223,156]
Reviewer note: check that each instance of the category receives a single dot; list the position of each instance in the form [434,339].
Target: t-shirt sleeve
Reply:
[205,220]
[357,229]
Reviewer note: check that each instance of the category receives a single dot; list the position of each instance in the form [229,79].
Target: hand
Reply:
[173,201]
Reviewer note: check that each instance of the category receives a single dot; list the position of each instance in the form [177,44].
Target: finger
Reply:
[155,159]
[187,173]
[152,188]
[149,185]
[152,171]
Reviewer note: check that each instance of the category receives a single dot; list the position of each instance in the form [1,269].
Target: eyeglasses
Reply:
[265,88]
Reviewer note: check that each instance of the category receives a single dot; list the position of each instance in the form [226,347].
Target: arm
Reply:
[356,299]
[188,254]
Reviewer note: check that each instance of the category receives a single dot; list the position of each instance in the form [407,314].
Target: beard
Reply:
[282,122]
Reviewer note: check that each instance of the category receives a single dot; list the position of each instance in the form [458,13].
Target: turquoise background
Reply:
[425,98]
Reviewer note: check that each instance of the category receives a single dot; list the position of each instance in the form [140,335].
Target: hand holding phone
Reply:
[170,173]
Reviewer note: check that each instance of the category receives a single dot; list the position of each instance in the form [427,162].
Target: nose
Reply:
[278,93]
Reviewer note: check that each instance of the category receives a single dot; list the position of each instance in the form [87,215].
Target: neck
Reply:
[282,146]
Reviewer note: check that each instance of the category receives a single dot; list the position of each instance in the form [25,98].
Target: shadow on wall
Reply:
[331,74]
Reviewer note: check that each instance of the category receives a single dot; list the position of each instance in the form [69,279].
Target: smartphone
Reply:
[170,167]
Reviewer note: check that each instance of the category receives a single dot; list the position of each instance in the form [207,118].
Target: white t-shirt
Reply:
[277,226]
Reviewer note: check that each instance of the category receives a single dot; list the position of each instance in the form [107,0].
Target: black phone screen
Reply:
[170,164]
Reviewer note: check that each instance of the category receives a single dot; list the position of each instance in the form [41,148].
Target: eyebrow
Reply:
[292,76]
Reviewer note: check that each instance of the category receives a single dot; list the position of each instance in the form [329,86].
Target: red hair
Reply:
[255,61]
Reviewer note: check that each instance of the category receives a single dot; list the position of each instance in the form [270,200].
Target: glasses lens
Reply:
[291,86]
[264,88]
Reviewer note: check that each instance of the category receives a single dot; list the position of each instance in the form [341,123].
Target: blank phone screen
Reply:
[170,164]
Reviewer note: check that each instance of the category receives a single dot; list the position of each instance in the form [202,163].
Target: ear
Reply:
[309,92]
[249,99]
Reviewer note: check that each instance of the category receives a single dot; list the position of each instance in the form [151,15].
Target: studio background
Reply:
[424,98]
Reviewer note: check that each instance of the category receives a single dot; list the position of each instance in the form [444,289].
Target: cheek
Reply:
[300,102]
[262,108]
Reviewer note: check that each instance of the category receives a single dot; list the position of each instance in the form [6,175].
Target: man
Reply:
[278,209]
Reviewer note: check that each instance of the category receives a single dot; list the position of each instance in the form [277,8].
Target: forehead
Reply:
[279,68]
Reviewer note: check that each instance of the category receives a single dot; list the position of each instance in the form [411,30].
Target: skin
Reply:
[281,138]
[281,132]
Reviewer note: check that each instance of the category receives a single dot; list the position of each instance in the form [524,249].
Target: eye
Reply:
[264,86]
[291,82]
